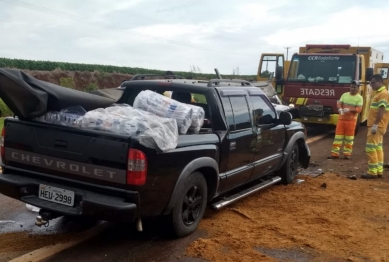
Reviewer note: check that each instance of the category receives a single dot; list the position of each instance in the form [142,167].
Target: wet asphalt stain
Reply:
[293,254]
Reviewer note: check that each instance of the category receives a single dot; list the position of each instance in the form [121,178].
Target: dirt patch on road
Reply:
[345,219]
[327,218]
[17,243]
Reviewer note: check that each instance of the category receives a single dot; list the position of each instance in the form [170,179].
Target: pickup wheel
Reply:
[290,168]
[190,207]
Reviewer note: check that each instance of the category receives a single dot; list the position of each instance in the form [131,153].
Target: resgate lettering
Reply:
[317,92]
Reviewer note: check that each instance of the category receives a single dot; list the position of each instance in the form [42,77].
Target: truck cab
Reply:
[319,74]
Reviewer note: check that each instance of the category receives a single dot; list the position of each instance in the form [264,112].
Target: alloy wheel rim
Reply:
[191,206]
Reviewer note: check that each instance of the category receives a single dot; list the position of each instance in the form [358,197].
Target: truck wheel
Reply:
[190,207]
[290,168]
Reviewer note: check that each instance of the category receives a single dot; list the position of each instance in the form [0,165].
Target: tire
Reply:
[289,170]
[190,207]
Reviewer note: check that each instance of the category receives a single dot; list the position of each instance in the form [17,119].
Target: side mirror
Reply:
[285,118]
[279,72]
[265,120]
[369,73]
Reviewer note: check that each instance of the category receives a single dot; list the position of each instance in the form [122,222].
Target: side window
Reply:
[268,65]
[280,61]
[384,72]
[228,111]
[199,98]
[263,113]
[241,112]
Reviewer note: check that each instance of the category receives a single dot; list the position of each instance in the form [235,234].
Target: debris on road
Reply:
[32,208]
[6,221]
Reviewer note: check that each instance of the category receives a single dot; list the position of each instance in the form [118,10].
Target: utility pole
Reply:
[287,52]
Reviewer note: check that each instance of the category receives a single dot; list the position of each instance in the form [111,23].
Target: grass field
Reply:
[1,122]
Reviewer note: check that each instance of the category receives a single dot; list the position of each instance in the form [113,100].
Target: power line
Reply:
[109,26]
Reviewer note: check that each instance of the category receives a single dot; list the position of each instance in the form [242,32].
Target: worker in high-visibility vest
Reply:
[349,106]
[377,122]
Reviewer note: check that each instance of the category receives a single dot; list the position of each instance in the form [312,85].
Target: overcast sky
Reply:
[175,35]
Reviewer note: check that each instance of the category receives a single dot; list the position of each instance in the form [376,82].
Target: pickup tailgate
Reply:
[88,156]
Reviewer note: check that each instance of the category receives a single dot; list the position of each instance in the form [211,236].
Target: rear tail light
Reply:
[137,168]
[2,144]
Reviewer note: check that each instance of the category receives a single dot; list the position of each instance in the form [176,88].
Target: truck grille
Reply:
[307,112]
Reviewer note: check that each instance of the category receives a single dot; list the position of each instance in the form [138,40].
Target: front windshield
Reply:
[322,68]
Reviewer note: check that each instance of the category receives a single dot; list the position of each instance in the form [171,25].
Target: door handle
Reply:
[232,145]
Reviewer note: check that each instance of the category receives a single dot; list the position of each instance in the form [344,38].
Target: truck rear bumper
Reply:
[87,203]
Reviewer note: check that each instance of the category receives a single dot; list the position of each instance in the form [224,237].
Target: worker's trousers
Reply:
[375,154]
[344,133]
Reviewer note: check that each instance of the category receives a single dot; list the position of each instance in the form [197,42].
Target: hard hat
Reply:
[356,82]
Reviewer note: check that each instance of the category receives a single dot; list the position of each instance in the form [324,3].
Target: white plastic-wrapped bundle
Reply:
[65,117]
[198,116]
[152,131]
[165,107]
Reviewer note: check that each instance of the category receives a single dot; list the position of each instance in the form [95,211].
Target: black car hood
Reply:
[29,97]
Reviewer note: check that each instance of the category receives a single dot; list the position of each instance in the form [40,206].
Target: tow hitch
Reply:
[44,217]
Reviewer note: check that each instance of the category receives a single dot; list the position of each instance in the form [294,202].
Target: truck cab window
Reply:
[323,68]
[268,65]
[280,61]
[241,112]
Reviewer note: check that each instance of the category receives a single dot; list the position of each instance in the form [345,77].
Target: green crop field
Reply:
[50,66]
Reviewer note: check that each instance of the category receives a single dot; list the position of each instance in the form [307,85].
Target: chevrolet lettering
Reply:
[245,144]
[63,165]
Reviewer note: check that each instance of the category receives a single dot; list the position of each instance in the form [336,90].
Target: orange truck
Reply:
[318,75]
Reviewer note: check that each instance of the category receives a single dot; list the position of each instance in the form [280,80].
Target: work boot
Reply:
[347,157]
[332,157]
[368,176]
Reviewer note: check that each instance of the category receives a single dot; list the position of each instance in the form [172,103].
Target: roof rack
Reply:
[218,81]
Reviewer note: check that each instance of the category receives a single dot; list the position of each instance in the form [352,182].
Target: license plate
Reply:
[315,107]
[56,195]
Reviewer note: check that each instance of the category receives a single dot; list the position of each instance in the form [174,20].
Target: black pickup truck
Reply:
[244,145]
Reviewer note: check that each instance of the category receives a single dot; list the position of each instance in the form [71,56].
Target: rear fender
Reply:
[206,165]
